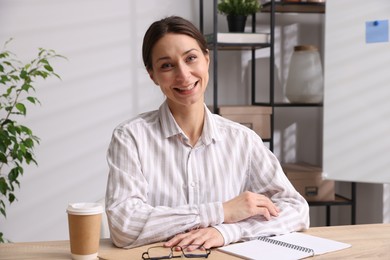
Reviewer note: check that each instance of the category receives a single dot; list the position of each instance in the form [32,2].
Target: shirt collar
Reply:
[169,127]
[210,130]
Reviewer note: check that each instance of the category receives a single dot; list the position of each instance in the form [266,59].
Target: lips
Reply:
[187,89]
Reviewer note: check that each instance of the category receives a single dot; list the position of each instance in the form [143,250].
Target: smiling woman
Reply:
[180,68]
[184,175]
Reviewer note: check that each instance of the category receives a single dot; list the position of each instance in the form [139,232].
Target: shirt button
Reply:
[193,184]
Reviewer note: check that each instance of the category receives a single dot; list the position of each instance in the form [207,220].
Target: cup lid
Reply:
[85,208]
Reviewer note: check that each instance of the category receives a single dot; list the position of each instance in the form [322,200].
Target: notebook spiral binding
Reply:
[288,245]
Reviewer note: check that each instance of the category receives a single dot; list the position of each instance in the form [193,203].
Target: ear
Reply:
[207,56]
[152,77]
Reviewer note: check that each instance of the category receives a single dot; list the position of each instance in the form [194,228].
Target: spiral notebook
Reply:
[289,246]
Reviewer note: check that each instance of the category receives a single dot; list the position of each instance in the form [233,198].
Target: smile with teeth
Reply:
[188,88]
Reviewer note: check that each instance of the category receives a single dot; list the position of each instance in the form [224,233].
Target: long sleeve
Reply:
[268,178]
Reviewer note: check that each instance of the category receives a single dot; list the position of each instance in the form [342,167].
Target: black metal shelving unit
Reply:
[272,8]
[308,7]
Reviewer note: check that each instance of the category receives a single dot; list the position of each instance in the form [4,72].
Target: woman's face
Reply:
[180,68]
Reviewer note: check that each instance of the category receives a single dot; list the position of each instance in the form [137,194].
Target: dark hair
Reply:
[172,24]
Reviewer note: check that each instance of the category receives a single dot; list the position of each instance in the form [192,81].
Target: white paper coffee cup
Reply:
[84,221]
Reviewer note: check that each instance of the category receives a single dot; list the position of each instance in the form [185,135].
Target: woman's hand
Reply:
[249,204]
[208,237]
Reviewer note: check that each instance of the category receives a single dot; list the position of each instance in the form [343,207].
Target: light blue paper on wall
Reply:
[377,31]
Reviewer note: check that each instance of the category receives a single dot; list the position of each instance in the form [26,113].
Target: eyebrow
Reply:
[184,53]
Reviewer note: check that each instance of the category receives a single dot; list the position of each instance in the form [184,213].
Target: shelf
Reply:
[339,200]
[298,104]
[238,41]
[303,7]
[289,104]
[238,46]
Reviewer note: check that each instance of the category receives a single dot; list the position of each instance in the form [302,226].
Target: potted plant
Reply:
[17,141]
[237,12]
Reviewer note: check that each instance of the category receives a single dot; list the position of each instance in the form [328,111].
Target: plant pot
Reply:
[236,23]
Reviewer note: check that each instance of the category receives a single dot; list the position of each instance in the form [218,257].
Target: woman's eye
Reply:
[166,66]
[191,58]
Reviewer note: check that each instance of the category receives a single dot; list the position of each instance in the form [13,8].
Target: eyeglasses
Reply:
[187,251]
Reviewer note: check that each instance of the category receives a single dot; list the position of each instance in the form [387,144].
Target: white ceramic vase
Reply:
[305,83]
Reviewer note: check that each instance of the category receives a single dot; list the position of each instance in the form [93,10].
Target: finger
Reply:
[264,212]
[212,242]
[267,203]
[174,240]
[273,210]
[200,240]
[187,239]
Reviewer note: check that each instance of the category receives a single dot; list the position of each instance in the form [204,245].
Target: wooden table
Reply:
[368,242]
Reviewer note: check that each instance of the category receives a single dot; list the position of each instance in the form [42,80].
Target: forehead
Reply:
[172,44]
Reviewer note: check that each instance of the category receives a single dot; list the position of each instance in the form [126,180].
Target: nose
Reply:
[182,72]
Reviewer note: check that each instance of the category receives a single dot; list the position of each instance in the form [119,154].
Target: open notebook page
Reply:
[257,249]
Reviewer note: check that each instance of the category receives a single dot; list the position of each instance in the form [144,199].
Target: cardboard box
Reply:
[257,118]
[307,180]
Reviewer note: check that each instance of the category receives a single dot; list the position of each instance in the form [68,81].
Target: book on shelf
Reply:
[239,38]
[294,245]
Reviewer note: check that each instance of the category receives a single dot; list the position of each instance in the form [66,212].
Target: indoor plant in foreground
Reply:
[237,11]
[17,141]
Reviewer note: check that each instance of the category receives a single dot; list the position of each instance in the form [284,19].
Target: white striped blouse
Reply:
[159,185]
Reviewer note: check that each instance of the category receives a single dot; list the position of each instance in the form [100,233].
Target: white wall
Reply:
[103,83]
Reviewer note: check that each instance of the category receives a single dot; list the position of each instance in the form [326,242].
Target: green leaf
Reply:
[3,148]
[29,143]
[15,77]
[27,66]
[4,79]
[31,99]
[18,130]
[55,74]
[2,204]
[41,50]
[26,87]
[21,108]
[29,158]
[13,174]
[3,158]
[2,210]
[3,186]
[1,68]
[20,168]
[23,74]
[26,130]
[48,68]
[40,73]
[43,61]
[22,147]
[7,121]
[8,63]
[11,129]
[11,198]
[4,55]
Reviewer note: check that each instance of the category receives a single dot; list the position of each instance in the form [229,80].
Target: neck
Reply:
[190,119]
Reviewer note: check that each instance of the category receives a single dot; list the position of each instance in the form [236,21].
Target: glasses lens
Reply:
[195,251]
[159,252]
